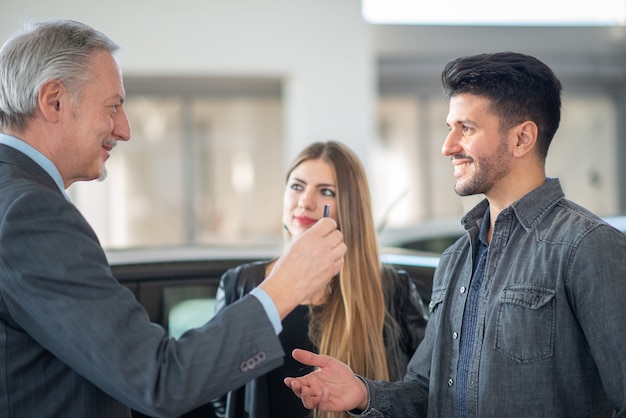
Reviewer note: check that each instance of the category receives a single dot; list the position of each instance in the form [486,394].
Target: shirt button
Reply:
[455,335]
[450,382]
[463,289]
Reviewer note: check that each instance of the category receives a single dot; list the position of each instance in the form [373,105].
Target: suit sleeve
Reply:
[58,287]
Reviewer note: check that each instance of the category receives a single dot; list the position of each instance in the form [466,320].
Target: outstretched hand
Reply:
[331,387]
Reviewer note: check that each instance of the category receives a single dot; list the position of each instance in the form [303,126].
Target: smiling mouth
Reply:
[459,166]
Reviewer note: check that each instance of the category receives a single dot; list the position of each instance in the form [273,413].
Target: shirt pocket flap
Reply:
[531,297]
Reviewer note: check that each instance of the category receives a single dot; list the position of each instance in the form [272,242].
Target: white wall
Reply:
[321,48]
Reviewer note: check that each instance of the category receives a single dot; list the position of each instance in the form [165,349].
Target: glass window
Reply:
[206,166]
[199,168]
[411,166]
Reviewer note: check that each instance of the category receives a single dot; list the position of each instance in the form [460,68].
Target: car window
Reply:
[186,307]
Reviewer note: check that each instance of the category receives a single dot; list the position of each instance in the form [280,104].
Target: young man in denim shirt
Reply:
[528,313]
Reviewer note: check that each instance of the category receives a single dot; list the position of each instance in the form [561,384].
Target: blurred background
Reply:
[221,95]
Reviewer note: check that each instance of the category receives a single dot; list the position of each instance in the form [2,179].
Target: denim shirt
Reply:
[550,339]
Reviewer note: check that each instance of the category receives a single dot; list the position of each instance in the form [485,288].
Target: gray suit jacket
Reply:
[76,343]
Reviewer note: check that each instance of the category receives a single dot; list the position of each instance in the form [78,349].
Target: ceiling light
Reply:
[496,12]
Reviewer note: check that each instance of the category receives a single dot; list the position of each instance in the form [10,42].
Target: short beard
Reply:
[103,174]
[493,168]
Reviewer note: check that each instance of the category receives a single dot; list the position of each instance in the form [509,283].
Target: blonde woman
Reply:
[370,316]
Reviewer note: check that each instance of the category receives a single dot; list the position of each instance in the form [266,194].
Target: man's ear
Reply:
[49,99]
[526,138]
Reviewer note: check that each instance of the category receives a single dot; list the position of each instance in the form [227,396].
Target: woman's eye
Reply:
[328,192]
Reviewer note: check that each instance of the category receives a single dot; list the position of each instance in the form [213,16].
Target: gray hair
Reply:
[51,50]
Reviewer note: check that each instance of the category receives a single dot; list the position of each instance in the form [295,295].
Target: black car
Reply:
[177,285]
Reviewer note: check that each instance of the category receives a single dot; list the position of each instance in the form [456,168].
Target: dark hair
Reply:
[520,87]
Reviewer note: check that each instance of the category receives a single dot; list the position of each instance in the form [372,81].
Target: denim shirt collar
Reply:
[484,227]
[528,210]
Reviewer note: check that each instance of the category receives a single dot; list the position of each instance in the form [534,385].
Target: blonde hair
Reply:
[349,326]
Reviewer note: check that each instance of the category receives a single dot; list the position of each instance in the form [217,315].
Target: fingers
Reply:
[306,266]
[325,226]
[300,389]
[294,385]
[288,381]
[307,357]
[337,244]
[326,231]
[308,401]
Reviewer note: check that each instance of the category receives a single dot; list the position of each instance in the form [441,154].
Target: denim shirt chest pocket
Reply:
[526,323]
